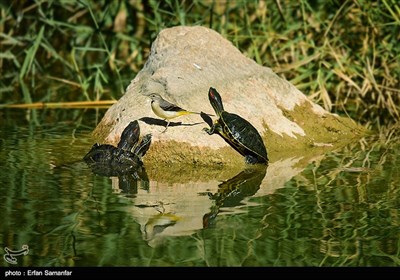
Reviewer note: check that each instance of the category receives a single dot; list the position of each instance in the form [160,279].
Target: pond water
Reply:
[335,209]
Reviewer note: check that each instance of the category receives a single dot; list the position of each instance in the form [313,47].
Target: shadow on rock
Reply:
[160,122]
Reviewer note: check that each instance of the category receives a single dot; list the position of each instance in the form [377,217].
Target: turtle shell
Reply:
[242,136]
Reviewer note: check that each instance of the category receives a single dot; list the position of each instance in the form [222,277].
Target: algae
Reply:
[323,133]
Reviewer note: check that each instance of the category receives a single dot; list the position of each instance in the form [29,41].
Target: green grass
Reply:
[344,55]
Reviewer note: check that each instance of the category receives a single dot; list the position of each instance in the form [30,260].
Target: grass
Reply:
[343,54]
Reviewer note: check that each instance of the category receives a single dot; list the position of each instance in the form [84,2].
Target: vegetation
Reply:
[344,55]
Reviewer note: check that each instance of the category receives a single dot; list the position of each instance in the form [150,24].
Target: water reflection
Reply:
[231,192]
[335,209]
[169,214]
[124,180]
[129,183]
[157,224]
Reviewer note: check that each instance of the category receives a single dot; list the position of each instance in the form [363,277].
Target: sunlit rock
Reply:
[184,63]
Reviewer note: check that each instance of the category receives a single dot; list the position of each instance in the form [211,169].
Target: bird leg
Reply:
[166,127]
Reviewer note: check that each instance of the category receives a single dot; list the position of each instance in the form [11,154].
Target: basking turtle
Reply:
[109,160]
[236,131]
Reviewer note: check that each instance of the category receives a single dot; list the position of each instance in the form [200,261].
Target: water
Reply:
[337,209]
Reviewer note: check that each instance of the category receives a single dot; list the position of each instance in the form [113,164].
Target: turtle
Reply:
[239,133]
[127,156]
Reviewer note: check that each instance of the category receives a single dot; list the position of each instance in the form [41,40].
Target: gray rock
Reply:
[184,63]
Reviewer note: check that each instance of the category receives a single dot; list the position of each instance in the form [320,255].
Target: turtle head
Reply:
[215,100]
[141,149]
[129,136]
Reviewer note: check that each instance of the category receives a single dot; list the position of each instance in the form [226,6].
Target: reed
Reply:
[343,54]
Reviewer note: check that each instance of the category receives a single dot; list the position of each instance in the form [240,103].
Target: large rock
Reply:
[184,63]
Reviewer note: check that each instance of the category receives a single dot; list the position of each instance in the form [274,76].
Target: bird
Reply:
[166,110]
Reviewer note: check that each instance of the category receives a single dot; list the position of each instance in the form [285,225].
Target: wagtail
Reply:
[165,109]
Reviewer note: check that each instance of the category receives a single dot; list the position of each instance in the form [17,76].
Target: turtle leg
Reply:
[210,130]
[141,148]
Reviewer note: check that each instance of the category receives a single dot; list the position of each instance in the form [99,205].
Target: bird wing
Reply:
[166,106]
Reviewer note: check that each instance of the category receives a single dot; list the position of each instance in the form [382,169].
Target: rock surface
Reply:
[184,63]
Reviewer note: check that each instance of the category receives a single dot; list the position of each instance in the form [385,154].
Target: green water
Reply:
[337,209]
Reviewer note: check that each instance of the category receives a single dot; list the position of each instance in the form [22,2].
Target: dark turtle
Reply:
[109,160]
[236,131]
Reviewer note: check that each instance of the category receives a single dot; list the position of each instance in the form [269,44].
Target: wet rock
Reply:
[184,63]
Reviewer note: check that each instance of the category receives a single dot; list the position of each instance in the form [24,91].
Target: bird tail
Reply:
[198,113]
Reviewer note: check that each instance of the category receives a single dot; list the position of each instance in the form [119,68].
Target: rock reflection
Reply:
[231,192]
